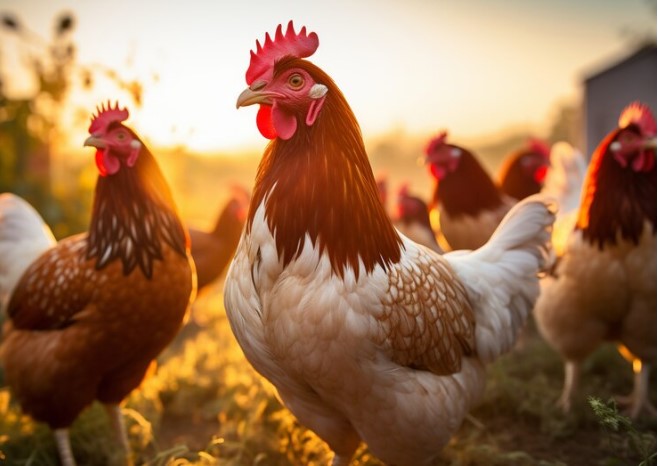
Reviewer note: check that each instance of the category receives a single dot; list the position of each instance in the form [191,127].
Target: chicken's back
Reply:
[77,334]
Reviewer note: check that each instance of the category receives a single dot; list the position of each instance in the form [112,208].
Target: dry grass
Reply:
[205,405]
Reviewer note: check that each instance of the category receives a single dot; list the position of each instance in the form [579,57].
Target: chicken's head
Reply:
[288,94]
[442,158]
[115,144]
[634,144]
[534,160]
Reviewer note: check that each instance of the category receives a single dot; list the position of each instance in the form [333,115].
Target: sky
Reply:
[474,67]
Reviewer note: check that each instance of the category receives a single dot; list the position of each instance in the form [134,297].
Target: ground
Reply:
[204,405]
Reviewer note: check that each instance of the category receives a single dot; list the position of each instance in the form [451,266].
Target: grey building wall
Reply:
[610,90]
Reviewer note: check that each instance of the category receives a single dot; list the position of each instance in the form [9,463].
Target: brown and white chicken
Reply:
[88,315]
[467,205]
[367,336]
[604,287]
[412,219]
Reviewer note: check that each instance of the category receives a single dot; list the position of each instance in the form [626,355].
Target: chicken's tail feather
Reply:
[23,237]
[502,277]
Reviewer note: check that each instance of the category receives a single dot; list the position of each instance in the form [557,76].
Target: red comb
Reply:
[436,142]
[106,114]
[298,45]
[639,114]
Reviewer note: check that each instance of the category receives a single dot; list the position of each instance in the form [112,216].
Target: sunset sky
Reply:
[474,66]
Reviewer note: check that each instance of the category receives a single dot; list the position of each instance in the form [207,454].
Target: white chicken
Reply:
[366,335]
[563,182]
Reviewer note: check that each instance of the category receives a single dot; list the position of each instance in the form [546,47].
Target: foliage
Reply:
[622,433]
[30,127]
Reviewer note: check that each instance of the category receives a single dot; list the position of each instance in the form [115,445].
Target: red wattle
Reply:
[438,171]
[540,174]
[264,122]
[99,163]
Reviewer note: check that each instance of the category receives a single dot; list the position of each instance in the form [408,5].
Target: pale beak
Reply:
[650,144]
[255,94]
[249,97]
[93,141]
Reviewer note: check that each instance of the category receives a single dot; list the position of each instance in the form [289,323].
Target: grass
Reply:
[204,405]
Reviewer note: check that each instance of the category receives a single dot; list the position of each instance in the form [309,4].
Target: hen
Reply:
[605,284]
[89,314]
[213,250]
[467,202]
[366,335]
[522,172]
[413,220]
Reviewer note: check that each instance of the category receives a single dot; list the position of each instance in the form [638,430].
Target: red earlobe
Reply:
[314,110]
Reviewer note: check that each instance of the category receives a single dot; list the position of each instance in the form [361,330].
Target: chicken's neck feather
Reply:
[133,213]
[616,201]
[468,191]
[320,183]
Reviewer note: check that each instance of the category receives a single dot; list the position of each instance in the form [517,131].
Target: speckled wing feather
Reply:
[53,289]
[427,320]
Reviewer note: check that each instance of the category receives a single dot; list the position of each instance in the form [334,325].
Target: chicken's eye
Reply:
[296,81]
[121,136]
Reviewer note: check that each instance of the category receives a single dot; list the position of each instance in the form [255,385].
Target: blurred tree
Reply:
[29,127]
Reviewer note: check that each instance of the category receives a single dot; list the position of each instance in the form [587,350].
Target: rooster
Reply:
[522,173]
[413,219]
[467,202]
[366,335]
[90,313]
[213,250]
[605,284]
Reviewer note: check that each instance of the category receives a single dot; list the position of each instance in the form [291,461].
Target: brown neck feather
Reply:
[133,213]
[515,181]
[469,190]
[616,200]
[320,183]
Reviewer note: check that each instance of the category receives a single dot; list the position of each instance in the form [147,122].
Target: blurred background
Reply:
[492,73]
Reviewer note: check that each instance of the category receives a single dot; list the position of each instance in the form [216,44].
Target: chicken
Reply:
[466,201]
[563,182]
[24,236]
[522,172]
[605,283]
[213,250]
[413,220]
[90,313]
[366,335]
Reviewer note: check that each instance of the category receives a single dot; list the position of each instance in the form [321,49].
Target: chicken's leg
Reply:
[571,381]
[64,447]
[119,427]
[638,400]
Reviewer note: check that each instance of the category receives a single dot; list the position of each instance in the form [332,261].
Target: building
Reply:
[609,90]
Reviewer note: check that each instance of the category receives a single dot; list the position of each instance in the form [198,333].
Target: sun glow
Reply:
[418,66]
